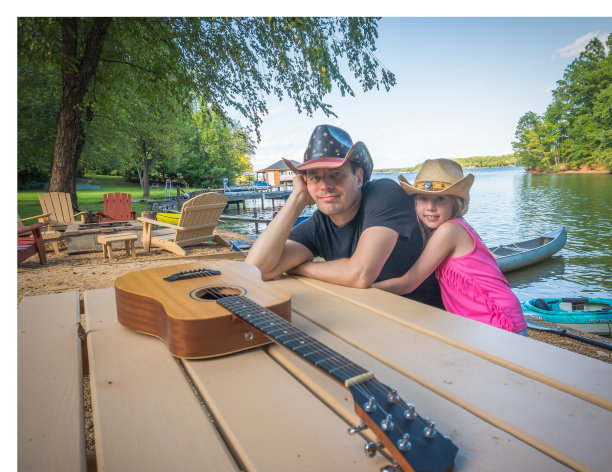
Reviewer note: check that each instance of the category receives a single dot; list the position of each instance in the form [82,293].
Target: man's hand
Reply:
[300,189]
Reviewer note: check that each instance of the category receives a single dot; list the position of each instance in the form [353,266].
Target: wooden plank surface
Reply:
[50,428]
[579,375]
[146,415]
[534,412]
[482,447]
[272,420]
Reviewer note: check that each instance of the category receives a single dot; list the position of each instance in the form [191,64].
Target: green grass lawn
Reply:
[28,205]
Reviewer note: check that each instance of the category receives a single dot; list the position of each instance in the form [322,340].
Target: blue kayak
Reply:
[585,314]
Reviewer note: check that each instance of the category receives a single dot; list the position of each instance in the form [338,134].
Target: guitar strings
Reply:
[350,369]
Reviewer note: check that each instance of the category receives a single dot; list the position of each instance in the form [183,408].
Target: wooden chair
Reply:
[48,235]
[198,219]
[117,207]
[59,207]
[27,246]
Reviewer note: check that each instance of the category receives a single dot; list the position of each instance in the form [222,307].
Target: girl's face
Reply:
[433,210]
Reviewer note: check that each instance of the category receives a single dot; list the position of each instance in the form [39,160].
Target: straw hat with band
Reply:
[330,147]
[439,177]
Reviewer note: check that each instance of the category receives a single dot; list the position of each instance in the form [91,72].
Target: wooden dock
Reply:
[232,197]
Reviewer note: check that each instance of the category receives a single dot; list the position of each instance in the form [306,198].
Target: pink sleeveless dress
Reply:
[473,286]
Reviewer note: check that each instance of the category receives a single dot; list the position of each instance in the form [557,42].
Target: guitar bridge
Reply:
[191,274]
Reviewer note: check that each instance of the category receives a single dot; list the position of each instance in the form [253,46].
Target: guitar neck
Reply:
[293,338]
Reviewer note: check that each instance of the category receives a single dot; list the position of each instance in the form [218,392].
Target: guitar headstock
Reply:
[413,441]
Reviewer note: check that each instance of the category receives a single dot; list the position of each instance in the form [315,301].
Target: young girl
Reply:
[470,280]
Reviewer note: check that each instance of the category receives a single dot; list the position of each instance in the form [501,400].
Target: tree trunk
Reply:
[145,176]
[76,76]
[145,169]
[146,165]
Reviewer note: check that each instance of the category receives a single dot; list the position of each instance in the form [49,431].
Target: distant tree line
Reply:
[576,129]
[505,160]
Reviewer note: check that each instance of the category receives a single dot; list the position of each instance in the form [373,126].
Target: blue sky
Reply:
[462,85]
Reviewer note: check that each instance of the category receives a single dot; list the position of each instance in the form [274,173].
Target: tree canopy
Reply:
[576,129]
[100,92]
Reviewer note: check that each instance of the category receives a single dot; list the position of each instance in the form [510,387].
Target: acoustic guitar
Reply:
[225,307]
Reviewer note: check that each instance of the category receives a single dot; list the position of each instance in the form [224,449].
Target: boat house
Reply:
[277,173]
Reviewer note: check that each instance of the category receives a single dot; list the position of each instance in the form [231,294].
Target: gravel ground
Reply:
[89,270]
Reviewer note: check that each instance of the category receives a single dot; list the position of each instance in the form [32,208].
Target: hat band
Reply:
[431,185]
[322,162]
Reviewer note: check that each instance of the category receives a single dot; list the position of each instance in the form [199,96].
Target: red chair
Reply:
[27,246]
[117,207]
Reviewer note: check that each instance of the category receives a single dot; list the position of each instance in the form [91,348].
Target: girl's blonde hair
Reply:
[459,209]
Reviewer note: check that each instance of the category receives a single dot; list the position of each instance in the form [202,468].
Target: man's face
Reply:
[336,192]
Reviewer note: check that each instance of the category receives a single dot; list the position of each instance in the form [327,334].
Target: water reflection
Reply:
[542,278]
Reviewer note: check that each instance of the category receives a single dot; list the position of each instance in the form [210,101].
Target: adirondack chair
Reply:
[117,207]
[48,234]
[199,217]
[27,246]
[59,207]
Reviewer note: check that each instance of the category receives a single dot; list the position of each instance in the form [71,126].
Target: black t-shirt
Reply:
[383,203]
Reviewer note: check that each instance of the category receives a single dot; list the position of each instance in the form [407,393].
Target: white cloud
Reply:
[572,50]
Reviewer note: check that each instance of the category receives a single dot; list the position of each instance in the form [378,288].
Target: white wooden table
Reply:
[508,402]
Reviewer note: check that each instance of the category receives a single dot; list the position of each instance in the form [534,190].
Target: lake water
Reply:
[508,205]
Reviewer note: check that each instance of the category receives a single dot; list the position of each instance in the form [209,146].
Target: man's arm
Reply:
[272,253]
[362,268]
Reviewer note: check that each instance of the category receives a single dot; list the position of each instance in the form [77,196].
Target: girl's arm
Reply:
[442,243]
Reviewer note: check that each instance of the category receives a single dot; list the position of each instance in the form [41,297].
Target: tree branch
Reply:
[136,66]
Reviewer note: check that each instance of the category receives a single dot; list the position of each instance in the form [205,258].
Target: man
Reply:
[365,231]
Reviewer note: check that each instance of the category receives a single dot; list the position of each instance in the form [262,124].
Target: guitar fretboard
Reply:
[293,338]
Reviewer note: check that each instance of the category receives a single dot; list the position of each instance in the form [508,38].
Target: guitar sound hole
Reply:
[215,293]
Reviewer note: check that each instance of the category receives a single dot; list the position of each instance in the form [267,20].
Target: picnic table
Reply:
[508,403]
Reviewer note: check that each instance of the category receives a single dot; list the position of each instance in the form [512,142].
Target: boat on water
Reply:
[306,213]
[524,253]
[592,315]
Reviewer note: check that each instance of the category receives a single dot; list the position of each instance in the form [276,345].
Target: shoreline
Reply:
[598,170]
[579,171]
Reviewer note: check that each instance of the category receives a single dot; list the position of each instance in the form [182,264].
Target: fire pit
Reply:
[84,237]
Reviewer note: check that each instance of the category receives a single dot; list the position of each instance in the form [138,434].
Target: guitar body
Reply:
[184,313]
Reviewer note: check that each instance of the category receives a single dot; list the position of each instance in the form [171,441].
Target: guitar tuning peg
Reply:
[404,443]
[410,413]
[371,448]
[358,428]
[430,431]
[395,467]
[370,406]
[392,396]
[387,424]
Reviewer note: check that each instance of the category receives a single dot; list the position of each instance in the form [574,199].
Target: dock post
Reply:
[178,198]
